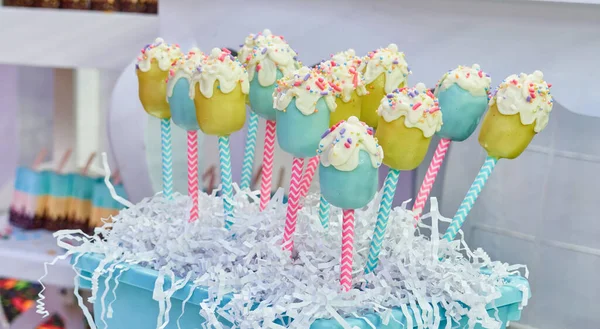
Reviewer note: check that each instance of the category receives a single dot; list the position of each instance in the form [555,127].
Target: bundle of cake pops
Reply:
[342,258]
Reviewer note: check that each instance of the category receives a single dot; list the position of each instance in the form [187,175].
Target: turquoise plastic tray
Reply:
[135,308]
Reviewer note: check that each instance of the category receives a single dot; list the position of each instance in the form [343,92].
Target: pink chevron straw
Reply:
[432,171]
[347,249]
[192,153]
[308,175]
[293,204]
[267,169]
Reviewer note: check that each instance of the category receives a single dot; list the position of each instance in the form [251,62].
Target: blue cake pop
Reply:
[350,157]
[304,101]
[463,97]
[183,110]
[267,58]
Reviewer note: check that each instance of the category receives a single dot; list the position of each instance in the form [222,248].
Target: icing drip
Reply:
[222,66]
[418,105]
[163,53]
[471,79]
[307,86]
[342,143]
[389,61]
[343,75]
[264,53]
[184,67]
[526,94]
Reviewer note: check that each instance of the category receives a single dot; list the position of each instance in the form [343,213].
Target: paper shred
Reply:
[268,286]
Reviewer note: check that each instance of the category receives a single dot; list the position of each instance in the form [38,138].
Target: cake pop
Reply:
[463,97]
[219,88]
[350,157]
[183,111]
[384,70]
[267,58]
[153,65]
[408,119]
[304,100]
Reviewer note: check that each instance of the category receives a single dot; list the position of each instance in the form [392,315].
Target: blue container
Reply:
[135,308]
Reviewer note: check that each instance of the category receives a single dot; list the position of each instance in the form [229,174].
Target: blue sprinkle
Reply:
[324,93]
[324,135]
[306,76]
[390,95]
[343,131]
[349,140]
[264,50]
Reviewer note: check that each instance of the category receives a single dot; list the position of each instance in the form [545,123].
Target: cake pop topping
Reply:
[222,66]
[163,53]
[418,105]
[342,143]
[265,53]
[343,75]
[526,94]
[471,79]
[184,67]
[307,87]
[389,61]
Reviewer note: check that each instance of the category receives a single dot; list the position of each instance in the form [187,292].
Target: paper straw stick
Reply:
[226,181]
[63,161]
[324,212]
[347,249]
[308,175]
[432,171]
[293,204]
[88,163]
[192,153]
[383,215]
[39,158]
[249,151]
[469,200]
[167,158]
[267,171]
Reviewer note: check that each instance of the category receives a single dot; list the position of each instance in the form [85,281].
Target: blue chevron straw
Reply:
[226,180]
[469,201]
[383,215]
[324,212]
[167,158]
[249,151]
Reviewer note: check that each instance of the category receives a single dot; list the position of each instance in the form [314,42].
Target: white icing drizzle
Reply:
[471,79]
[526,94]
[418,105]
[184,67]
[342,143]
[219,65]
[343,75]
[265,53]
[164,54]
[307,86]
[389,61]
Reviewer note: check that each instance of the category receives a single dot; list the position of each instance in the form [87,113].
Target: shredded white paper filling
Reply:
[269,286]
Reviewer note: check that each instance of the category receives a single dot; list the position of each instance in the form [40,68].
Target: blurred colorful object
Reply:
[19,296]
[29,201]
[103,204]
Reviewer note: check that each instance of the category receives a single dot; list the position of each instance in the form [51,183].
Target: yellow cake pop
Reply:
[344,77]
[219,88]
[384,70]
[408,119]
[519,109]
[152,69]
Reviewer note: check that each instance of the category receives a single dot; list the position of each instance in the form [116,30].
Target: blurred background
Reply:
[68,92]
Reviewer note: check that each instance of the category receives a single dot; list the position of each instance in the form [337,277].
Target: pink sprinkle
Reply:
[297,83]
[480,74]
[416,106]
[347,145]
[307,87]
[549,85]
[468,75]
[258,67]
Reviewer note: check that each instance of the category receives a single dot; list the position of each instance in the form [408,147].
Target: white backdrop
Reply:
[537,209]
